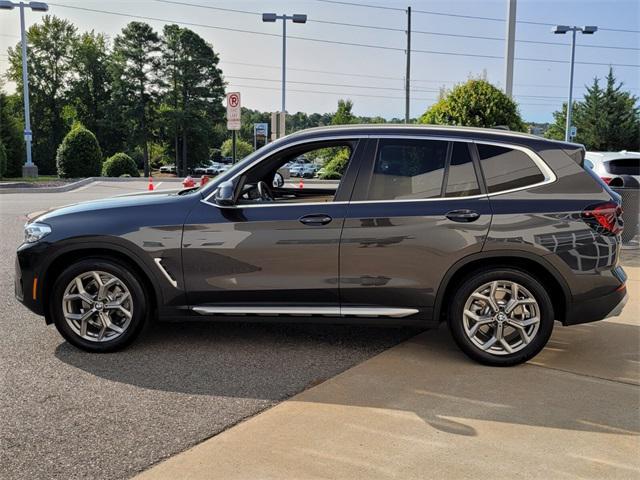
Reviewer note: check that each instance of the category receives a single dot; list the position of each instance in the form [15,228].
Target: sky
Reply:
[372,76]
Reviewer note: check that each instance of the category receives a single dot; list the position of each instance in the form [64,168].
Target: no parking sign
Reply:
[233,111]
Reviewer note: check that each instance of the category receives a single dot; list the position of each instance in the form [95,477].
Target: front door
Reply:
[276,256]
[417,208]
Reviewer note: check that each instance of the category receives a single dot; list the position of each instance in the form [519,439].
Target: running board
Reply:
[309,311]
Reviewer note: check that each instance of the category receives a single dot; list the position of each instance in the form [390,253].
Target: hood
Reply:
[126,201]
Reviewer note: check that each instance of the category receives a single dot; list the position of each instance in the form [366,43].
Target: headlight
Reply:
[35,231]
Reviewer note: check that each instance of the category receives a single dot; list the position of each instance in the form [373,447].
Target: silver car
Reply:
[608,165]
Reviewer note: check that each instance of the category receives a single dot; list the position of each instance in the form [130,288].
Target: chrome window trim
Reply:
[548,173]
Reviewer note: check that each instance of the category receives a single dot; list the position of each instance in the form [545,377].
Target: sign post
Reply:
[234,114]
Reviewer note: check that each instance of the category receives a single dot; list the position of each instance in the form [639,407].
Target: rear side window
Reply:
[624,166]
[506,168]
[461,177]
[406,169]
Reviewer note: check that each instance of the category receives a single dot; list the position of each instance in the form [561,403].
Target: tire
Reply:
[518,329]
[127,290]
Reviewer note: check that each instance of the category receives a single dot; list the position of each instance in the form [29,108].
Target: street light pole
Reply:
[29,169]
[567,128]
[561,30]
[295,18]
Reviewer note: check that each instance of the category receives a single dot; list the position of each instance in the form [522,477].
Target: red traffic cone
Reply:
[301,183]
[150,187]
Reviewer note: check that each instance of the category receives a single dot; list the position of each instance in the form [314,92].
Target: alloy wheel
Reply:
[97,306]
[501,317]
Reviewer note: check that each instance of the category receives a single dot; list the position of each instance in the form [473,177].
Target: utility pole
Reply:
[407,108]
[510,47]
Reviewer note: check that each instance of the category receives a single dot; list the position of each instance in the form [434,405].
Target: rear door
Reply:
[417,208]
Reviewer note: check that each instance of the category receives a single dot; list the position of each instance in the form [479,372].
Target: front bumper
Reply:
[27,289]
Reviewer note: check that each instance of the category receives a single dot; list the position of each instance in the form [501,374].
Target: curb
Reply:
[78,184]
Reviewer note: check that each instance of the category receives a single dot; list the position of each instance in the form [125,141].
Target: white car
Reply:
[168,169]
[608,165]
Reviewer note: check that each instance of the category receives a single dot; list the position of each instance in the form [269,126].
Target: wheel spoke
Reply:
[489,343]
[487,300]
[521,331]
[516,303]
[506,345]
[85,297]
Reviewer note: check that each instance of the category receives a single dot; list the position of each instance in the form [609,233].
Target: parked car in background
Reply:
[497,233]
[168,169]
[308,170]
[621,171]
[608,165]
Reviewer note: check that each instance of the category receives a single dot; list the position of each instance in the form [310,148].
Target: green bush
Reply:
[3,160]
[475,103]
[242,148]
[79,154]
[120,165]
[335,167]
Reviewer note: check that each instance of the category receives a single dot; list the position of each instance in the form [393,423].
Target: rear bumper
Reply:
[597,308]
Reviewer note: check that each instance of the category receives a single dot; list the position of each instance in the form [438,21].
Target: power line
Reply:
[392,29]
[332,42]
[470,17]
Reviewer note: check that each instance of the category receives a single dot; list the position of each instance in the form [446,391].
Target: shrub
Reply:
[475,103]
[79,154]
[242,148]
[120,165]
[335,167]
[3,160]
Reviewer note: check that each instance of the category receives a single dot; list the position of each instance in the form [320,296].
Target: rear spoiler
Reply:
[576,152]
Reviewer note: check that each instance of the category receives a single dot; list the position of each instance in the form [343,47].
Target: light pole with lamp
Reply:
[29,169]
[295,18]
[561,30]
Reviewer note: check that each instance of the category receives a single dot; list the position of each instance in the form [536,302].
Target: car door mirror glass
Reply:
[278,180]
[225,193]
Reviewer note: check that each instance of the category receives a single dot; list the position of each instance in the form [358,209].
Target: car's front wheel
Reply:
[501,316]
[98,305]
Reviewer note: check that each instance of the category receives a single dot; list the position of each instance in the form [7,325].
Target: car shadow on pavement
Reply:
[248,360]
[429,377]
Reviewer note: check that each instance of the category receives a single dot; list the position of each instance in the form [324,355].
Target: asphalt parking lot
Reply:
[67,414]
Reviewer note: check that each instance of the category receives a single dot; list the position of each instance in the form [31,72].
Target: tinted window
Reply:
[461,179]
[408,169]
[505,168]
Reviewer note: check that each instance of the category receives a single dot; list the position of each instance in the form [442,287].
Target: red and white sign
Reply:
[233,111]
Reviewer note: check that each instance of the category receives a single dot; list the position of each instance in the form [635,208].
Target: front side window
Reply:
[408,169]
[507,168]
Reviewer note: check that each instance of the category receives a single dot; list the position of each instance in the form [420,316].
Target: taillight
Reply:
[605,218]
[607,180]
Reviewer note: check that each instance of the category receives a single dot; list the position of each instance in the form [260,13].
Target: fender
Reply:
[116,245]
[495,254]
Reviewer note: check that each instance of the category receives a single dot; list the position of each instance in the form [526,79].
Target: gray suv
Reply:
[499,234]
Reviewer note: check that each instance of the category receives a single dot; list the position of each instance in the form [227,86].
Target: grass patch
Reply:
[41,178]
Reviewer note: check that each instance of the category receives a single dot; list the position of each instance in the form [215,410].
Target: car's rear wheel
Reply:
[501,317]
[98,305]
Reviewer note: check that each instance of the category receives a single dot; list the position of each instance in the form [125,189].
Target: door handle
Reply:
[315,219]
[462,215]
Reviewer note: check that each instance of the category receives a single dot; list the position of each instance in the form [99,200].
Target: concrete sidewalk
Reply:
[423,410]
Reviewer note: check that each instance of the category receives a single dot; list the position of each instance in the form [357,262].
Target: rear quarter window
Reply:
[506,168]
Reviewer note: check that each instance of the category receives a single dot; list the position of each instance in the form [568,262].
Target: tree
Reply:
[49,63]
[3,160]
[90,91]
[135,68]
[242,148]
[11,138]
[79,154]
[475,103]
[194,93]
[343,115]
[607,119]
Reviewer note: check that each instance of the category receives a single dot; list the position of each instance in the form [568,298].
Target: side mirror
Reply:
[225,194]
[278,180]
